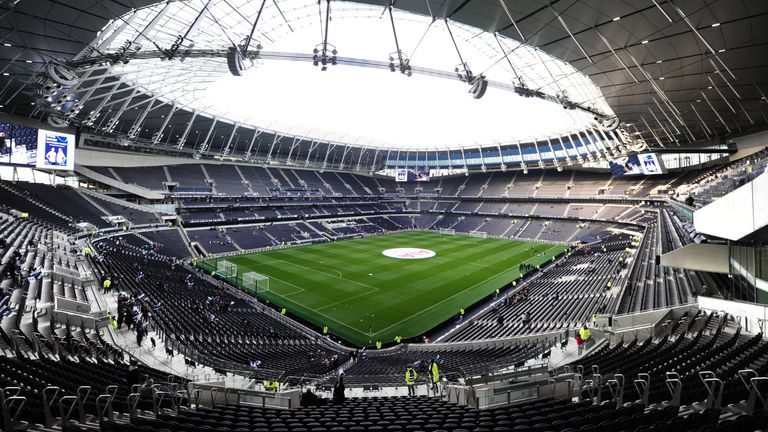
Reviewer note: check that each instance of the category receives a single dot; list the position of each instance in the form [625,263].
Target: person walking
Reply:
[434,372]
[595,316]
[585,334]
[139,333]
[410,380]
[579,343]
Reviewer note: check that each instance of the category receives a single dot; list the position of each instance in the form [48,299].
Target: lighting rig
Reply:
[59,94]
[478,84]
[320,54]
[403,62]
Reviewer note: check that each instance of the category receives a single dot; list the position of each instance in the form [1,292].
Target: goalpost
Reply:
[478,234]
[448,231]
[226,269]
[254,282]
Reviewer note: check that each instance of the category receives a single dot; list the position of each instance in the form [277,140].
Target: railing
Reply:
[215,394]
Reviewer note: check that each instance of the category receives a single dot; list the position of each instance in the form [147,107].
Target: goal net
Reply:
[449,231]
[254,282]
[478,234]
[226,269]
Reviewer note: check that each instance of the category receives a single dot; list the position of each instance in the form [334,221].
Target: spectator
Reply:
[147,389]
[134,374]
[338,390]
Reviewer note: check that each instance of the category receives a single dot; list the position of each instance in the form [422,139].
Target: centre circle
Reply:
[409,253]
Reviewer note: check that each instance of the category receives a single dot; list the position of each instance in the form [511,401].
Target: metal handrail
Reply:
[133,402]
[642,385]
[66,413]
[48,401]
[8,403]
[157,401]
[82,395]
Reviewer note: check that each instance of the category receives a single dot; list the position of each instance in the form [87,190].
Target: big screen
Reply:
[55,150]
[412,174]
[39,148]
[638,164]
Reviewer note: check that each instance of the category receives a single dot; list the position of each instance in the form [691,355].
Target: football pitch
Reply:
[364,296]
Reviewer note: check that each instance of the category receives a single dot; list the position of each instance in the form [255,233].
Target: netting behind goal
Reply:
[226,269]
[254,282]
[449,231]
[478,234]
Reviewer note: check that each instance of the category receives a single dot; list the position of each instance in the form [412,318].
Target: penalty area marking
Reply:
[408,253]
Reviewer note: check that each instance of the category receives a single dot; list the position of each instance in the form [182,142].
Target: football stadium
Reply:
[408,216]
[410,291]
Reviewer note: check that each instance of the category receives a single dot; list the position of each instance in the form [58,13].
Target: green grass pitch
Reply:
[364,296]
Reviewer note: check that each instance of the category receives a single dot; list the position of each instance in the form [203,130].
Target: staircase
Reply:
[93,202]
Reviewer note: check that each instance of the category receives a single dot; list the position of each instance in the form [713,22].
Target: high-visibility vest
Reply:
[378,344]
[410,376]
[584,334]
[594,317]
[283,311]
[107,283]
[435,373]
[461,311]
[325,329]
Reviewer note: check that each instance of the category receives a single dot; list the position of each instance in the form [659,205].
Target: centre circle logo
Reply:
[409,253]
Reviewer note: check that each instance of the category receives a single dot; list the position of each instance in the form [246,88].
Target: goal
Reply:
[448,231]
[226,269]
[478,234]
[254,282]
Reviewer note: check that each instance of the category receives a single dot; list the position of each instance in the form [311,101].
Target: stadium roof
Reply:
[679,72]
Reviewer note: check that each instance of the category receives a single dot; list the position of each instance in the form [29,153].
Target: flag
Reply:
[143,297]
[37,274]
[255,364]
[5,310]
[158,306]
[213,317]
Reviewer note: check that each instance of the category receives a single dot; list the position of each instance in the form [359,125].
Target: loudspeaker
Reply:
[235,61]
[479,86]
